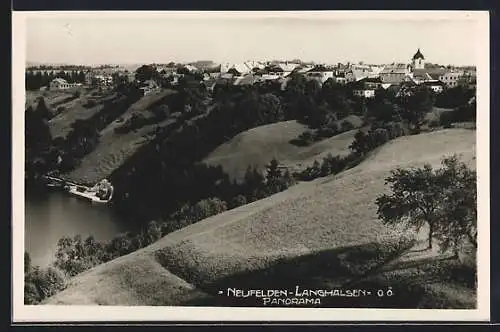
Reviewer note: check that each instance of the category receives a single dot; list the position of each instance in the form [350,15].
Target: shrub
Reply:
[77,94]
[434,123]
[446,119]
[238,201]
[61,109]
[346,126]
[91,103]
[326,132]
[378,137]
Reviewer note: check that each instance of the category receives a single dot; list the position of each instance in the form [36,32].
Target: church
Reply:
[415,72]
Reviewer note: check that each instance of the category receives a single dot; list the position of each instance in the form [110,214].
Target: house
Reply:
[366,87]
[148,87]
[59,84]
[360,71]
[394,73]
[319,73]
[246,80]
[435,85]
[451,79]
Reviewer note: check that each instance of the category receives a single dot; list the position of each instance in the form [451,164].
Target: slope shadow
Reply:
[355,269]
[328,270]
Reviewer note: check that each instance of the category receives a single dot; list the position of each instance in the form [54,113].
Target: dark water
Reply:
[51,215]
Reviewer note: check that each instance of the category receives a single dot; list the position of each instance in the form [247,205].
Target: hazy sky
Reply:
[234,37]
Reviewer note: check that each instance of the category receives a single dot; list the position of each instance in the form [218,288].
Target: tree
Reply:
[445,199]
[273,177]
[416,102]
[146,72]
[415,199]
[459,215]
[361,143]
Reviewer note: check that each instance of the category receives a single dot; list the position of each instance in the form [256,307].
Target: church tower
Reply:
[418,60]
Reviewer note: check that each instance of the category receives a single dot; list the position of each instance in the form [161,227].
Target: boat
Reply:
[101,193]
[53,183]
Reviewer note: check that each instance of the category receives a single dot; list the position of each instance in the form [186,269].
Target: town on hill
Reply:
[275,183]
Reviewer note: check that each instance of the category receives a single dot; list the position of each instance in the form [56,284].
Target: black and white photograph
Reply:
[189,165]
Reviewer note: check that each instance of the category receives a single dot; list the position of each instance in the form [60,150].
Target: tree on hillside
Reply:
[459,214]
[146,72]
[361,143]
[445,199]
[414,199]
[416,102]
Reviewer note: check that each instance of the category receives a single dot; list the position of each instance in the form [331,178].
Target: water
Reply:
[51,215]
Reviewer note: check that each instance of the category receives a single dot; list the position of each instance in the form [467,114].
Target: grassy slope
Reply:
[258,146]
[60,125]
[114,149]
[309,235]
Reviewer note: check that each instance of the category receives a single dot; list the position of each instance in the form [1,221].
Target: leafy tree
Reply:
[74,255]
[146,72]
[459,208]
[414,199]
[361,143]
[238,201]
[444,199]
[416,102]
[153,232]
[42,283]
[273,177]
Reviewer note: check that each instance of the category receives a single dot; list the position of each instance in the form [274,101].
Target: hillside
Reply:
[258,146]
[320,234]
[115,148]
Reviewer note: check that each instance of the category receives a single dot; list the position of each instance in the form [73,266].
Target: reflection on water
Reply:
[50,216]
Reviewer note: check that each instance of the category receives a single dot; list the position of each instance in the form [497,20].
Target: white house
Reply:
[59,84]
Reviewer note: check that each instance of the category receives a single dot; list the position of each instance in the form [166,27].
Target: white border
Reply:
[23,313]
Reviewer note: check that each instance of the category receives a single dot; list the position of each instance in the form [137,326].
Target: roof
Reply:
[245,80]
[418,55]
[319,68]
[288,66]
[399,68]
[59,80]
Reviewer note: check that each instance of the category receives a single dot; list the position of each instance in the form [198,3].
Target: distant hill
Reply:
[258,146]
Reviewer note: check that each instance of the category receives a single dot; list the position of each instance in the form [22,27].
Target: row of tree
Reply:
[36,80]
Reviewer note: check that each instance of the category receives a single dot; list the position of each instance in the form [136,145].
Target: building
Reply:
[418,60]
[435,85]
[394,73]
[319,73]
[366,87]
[149,86]
[59,84]
[451,79]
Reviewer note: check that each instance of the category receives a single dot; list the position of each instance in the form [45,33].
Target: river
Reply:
[51,215]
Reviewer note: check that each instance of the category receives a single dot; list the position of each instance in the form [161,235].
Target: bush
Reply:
[326,132]
[446,119]
[91,103]
[41,284]
[434,123]
[61,109]
[346,126]
[238,201]
[378,137]
[77,94]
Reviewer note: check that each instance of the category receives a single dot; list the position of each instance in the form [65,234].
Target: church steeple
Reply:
[418,60]
[418,55]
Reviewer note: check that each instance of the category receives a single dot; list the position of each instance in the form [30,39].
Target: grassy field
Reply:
[114,149]
[60,125]
[319,234]
[258,146]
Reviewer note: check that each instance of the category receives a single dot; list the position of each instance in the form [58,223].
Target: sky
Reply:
[83,38]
